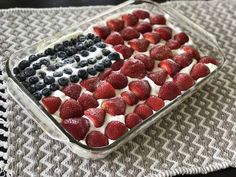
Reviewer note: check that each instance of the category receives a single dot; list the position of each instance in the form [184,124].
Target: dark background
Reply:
[4,4]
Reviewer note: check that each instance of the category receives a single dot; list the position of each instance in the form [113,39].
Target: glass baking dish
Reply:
[205,42]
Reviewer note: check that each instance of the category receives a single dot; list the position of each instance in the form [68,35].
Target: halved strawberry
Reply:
[132,119]
[114,106]
[159,76]
[147,61]
[96,115]
[183,81]
[104,74]
[141,14]
[51,103]
[129,19]
[90,84]
[96,139]
[143,110]
[72,90]
[169,91]
[77,127]
[114,39]
[104,90]
[102,31]
[115,24]
[140,88]
[155,103]
[183,59]
[192,52]
[164,32]
[170,66]
[129,33]
[115,129]
[143,27]
[139,45]
[124,50]
[157,19]
[117,65]
[199,70]
[70,109]
[153,38]
[209,59]
[117,80]
[173,44]
[87,101]
[160,52]
[129,97]
[181,38]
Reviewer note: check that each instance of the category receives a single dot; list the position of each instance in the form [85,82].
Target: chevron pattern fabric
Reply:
[197,137]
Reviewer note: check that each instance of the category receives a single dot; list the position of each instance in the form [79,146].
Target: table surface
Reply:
[4,4]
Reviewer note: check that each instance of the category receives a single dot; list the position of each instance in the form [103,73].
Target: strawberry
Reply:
[124,50]
[103,75]
[140,88]
[90,84]
[117,65]
[209,59]
[114,39]
[143,110]
[51,103]
[199,70]
[141,14]
[181,38]
[192,52]
[96,139]
[129,19]
[153,38]
[114,106]
[160,52]
[159,76]
[102,31]
[132,119]
[115,129]
[70,109]
[147,61]
[129,97]
[183,81]
[77,127]
[143,27]
[129,33]
[104,90]
[117,80]
[173,44]
[133,68]
[140,45]
[115,24]
[170,66]
[169,91]
[164,32]
[157,19]
[183,59]
[87,101]
[72,90]
[155,103]
[96,115]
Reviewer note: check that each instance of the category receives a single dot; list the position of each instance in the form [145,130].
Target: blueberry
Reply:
[49,80]
[82,73]
[88,43]
[92,60]
[83,63]
[77,58]
[99,66]
[54,87]
[41,55]
[33,79]
[81,38]
[99,57]
[70,51]
[80,46]
[66,43]
[74,78]
[90,35]
[46,92]
[21,77]
[59,64]
[96,39]
[16,70]
[107,62]
[63,81]
[92,49]
[69,60]
[59,47]
[57,74]
[73,41]
[36,66]
[51,67]
[26,84]
[114,56]
[49,51]
[105,52]
[68,71]
[100,45]
[41,74]
[45,62]
[32,58]
[53,57]
[92,71]
[23,64]
[37,95]
[84,53]
[31,89]
[29,72]
[61,54]
[39,85]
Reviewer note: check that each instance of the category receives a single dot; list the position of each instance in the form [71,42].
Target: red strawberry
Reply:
[117,65]
[132,119]
[115,24]
[51,103]
[143,110]
[96,115]
[87,101]
[158,19]
[209,59]
[77,127]
[183,59]
[96,139]
[173,44]
[70,109]
[160,52]
[159,76]
[104,90]
[133,68]
[114,39]
[102,31]
[192,52]
[114,106]
[183,81]
[129,19]
[170,66]
[164,32]
[155,103]
[117,80]
[141,14]
[103,75]
[129,97]
[129,33]
[115,129]
[124,50]
[140,45]
[153,38]
[181,38]
[140,88]
[143,27]
[147,61]
[90,84]
[199,70]
[169,91]
[72,90]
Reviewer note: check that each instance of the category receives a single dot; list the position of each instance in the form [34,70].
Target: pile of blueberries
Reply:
[68,53]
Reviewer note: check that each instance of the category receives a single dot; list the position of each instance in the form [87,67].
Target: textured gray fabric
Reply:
[197,137]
